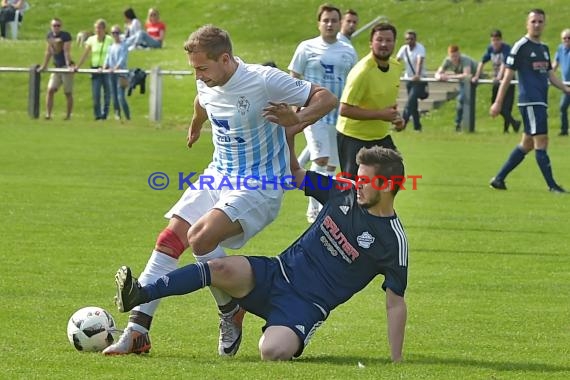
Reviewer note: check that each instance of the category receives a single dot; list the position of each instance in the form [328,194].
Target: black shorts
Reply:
[348,147]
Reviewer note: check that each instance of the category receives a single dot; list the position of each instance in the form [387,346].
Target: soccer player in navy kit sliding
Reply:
[356,236]
[531,59]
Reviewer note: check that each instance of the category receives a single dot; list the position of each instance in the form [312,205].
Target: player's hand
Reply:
[399,124]
[390,113]
[495,109]
[193,136]
[39,69]
[280,113]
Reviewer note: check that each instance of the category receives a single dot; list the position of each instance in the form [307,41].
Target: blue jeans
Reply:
[411,109]
[459,107]
[98,81]
[142,38]
[119,99]
[564,104]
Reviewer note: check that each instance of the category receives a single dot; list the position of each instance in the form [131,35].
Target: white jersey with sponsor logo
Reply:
[325,64]
[245,143]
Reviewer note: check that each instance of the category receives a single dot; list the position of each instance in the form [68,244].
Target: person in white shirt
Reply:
[325,61]
[348,25]
[413,54]
[132,23]
[248,107]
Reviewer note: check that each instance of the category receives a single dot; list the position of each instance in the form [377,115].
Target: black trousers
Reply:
[7,14]
[508,101]
[348,147]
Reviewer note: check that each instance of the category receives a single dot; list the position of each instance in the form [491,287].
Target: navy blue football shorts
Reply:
[535,119]
[274,300]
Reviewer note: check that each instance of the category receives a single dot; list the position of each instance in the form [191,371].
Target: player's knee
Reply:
[169,243]
[322,161]
[220,267]
[200,240]
[273,351]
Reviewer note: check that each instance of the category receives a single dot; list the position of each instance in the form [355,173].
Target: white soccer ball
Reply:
[90,329]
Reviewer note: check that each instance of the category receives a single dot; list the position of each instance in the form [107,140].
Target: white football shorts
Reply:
[253,207]
[321,140]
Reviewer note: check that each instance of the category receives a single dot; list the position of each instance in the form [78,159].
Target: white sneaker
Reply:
[230,332]
[130,342]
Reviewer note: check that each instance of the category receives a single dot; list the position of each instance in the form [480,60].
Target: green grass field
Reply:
[489,281]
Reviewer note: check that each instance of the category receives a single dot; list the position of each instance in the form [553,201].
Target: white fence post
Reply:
[468,122]
[155,95]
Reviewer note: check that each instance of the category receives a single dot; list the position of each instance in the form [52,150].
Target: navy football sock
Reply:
[543,162]
[516,157]
[183,280]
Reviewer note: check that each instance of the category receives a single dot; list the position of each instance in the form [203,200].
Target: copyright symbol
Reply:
[158,181]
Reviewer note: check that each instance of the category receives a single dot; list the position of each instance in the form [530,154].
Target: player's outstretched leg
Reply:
[129,292]
[129,295]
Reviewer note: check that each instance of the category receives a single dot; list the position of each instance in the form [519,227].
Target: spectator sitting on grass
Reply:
[153,36]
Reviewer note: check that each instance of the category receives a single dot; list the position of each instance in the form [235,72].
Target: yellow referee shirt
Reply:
[369,88]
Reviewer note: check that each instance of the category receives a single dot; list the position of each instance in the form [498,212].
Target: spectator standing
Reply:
[497,52]
[368,103]
[98,46]
[413,54]
[8,10]
[562,60]
[116,59]
[325,61]
[530,58]
[58,47]
[457,66]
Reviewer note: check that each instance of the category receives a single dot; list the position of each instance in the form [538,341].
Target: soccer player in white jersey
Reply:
[348,26]
[325,61]
[249,108]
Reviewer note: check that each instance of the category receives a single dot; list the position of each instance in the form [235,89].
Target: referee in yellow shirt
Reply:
[368,108]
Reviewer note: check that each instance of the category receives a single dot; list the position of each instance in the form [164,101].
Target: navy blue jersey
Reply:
[531,60]
[345,248]
[497,58]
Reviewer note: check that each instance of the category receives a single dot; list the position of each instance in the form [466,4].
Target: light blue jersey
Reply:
[324,64]
[245,143]
[117,56]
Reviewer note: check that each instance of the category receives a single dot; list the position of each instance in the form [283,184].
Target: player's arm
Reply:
[478,72]
[557,82]
[320,102]
[297,171]
[418,68]
[358,113]
[84,55]
[198,119]
[396,315]
[505,83]
[47,56]
[67,53]
[440,73]
[314,184]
